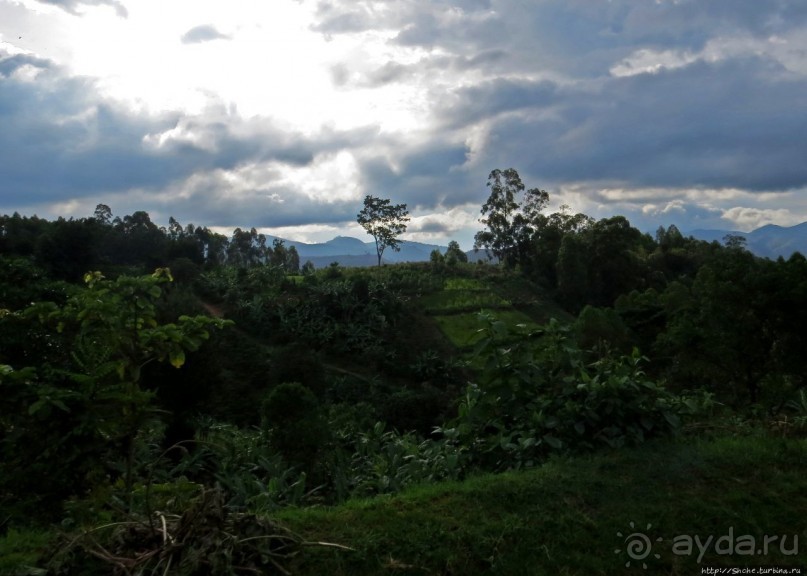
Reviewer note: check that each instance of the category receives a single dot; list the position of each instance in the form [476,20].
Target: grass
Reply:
[567,516]
[529,298]
[455,308]
[572,516]
[460,294]
[21,549]
[461,283]
[463,329]
[454,301]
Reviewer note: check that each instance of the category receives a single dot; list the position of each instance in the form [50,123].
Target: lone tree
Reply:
[384,222]
[509,223]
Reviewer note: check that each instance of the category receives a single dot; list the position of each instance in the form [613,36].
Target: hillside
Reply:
[670,507]
[411,384]
[575,516]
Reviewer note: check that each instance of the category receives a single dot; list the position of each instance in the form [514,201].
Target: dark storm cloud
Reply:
[430,226]
[495,97]
[424,176]
[265,208]
[735,123]
[73,6]
[61,140]
[52,132]
[203,33]
[758,17]
[10,64]
[480,60]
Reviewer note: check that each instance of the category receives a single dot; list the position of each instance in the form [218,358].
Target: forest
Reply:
[176,401]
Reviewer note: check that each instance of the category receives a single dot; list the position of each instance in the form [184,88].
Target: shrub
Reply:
[537,395]
[291,416]
[381,461]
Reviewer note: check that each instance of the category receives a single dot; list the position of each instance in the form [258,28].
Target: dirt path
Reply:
[214,311]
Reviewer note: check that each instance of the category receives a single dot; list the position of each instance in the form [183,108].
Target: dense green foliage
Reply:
[537,395]
[509,224]
[160,381]
[72,412]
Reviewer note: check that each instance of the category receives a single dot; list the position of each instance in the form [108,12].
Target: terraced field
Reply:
[457,307]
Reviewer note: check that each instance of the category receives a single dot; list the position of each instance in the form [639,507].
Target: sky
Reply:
[284,114]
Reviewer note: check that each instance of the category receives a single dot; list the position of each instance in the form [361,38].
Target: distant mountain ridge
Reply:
[348,251]
[770,241]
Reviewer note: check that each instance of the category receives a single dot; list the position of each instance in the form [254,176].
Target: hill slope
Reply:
[576,516]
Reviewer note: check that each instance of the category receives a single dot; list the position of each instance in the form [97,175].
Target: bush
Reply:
[381,461]
[418,410]
[291,415]
[537,395]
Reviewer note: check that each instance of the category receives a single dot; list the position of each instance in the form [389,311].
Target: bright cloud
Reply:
[747,219]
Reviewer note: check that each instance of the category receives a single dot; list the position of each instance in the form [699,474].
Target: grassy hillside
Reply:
[575,516]
[571,516]
[386,354]
[456,306]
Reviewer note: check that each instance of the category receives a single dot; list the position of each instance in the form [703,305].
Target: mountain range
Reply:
[349,251]
[769,241]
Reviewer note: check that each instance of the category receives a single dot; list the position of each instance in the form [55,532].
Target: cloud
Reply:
[489,99]
[12,64]
[572,38]
[203,33]
[62,140]
[646,61]
[74,6]
[724,124]
[747,219]
[430,225]
[445,222]
[263,195]
[673,110]
[664,94]
[422,71]
[343,76]
[422,174]
[442,23]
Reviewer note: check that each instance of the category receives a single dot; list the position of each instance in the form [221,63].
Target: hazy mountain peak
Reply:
[769,241]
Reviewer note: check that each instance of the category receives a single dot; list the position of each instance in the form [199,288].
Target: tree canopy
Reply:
[383,221]
[509,223]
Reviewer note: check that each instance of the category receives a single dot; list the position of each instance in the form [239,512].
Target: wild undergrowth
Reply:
[322,400]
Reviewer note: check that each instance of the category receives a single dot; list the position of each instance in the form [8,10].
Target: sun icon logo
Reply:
[638,546]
